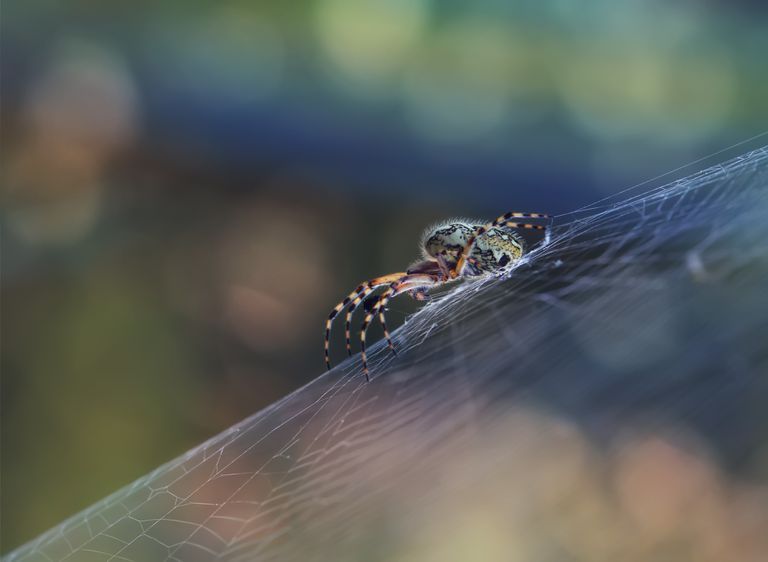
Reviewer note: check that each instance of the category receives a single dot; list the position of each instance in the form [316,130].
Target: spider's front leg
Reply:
[409,282]
[363,290]
[372,307]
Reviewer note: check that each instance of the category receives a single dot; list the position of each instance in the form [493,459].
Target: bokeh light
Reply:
[368,41]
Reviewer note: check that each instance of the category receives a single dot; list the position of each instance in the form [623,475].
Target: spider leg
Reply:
[503,219]
[383,298]
[421,294]
[348,320]
[386,332]
[372,284]
[443,265]
[361,298]
[368,306]
[403,284]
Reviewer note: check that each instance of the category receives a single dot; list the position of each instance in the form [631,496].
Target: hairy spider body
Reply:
[496,248]
[451,250]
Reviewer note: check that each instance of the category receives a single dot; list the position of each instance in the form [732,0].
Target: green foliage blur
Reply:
[189,187]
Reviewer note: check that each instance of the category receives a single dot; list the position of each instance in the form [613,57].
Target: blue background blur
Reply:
[189,187]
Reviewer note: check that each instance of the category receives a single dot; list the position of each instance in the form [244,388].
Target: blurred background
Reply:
[189,187]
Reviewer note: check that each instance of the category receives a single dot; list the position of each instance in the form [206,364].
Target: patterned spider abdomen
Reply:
[446,240]
[493,250]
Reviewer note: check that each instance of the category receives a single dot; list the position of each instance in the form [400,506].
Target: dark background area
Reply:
[188,188]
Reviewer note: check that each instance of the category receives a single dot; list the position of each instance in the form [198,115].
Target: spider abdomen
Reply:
[446,240]
[495,249]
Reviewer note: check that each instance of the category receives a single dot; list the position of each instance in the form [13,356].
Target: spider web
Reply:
[643,312]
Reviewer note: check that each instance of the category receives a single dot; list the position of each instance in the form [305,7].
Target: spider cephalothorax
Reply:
[451,250]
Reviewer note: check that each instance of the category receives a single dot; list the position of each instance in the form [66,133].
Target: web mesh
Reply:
[644,315]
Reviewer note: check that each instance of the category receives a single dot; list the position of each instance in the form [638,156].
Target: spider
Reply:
[451,250]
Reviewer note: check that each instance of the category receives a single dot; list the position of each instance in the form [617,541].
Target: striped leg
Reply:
[503,219]
[348,320]
[386,332]
[329,322]
[378,307]
[406,283]
[367,286]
